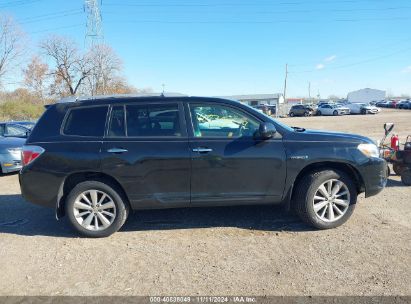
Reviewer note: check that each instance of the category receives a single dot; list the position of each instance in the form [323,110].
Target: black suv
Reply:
[301,110]
[95,159]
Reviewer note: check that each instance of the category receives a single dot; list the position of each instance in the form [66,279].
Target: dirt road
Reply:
[216,251]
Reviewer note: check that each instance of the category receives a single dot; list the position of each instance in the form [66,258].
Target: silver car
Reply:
[10,153]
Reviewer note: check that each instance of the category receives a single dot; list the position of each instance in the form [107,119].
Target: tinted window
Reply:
[86,122]
[117,126]
[221,121]
[153,120]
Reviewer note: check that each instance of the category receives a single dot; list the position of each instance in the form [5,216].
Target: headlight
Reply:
[369,150]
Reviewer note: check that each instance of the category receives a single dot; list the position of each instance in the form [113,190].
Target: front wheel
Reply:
[325,199]
[319,113]
[306,114]
[96,209]
[335,113]
[291,114]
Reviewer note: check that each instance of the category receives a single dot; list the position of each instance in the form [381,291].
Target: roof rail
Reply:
[84,98]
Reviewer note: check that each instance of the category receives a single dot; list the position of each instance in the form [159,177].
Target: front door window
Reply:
[222,122]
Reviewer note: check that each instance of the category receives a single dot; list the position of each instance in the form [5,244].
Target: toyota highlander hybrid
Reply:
[96,159]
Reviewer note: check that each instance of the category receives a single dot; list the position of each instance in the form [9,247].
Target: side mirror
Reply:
[267,130]
[388,126]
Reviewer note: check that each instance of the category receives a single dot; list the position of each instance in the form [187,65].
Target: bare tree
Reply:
[11,44]
[69,66]
[36,77]
[106,68]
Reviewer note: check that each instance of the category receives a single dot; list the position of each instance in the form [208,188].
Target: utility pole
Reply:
[94,30]
[285,87]
[309,91]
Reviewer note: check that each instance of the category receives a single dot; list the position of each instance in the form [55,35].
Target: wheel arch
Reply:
[75,178]
[324,165]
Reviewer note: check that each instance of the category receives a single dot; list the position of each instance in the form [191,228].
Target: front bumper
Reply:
[374,174]
[372,111]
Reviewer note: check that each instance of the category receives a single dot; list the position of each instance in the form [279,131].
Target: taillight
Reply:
[30,153]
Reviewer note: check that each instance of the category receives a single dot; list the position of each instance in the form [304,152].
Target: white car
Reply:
[362,108]
[332,109]
[216,123]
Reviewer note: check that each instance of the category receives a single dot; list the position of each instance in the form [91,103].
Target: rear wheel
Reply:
[319,113]
[325,199]
[291,114]
[96,209]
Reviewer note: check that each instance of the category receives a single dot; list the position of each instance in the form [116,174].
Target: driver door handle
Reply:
[202,150]
[116,150]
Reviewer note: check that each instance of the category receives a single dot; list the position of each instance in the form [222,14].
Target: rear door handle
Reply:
[202,150]
[116,150]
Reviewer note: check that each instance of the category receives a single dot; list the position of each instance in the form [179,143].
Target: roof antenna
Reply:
[162,93]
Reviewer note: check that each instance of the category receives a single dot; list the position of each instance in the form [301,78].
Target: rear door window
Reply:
[86,121]
[153,120]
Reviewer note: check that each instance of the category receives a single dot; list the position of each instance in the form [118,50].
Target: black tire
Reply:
[398,169]
[319,113]
[406,177]
[306,189]
[306,114]
[291,114]
[122,208]
[335,113]
[364,112]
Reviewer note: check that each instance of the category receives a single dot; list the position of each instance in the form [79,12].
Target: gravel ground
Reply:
[216,251]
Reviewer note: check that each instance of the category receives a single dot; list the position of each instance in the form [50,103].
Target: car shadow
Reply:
[22,218]
[394,183]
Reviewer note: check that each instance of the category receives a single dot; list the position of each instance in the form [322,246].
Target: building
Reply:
[258,99]
[366,95]
[295,100]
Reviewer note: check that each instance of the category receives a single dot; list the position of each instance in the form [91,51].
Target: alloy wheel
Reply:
[331,200]
[94,210]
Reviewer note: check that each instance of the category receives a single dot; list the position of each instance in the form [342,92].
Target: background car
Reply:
[362,108]
[13,129]
[10,153]
[331,109]
[381,104]
[267,109]
[301,110]
[405,104]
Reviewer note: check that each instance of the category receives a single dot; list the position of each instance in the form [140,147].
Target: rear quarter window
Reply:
[86,121]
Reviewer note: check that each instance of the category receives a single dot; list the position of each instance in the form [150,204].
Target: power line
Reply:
[259,21]
[49,14]
[51,18]
[356,63]
[56,29]
[17,3]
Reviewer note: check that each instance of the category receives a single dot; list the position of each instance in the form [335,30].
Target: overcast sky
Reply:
[224,47]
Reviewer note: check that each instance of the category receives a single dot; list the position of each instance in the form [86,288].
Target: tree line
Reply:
[58,68]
